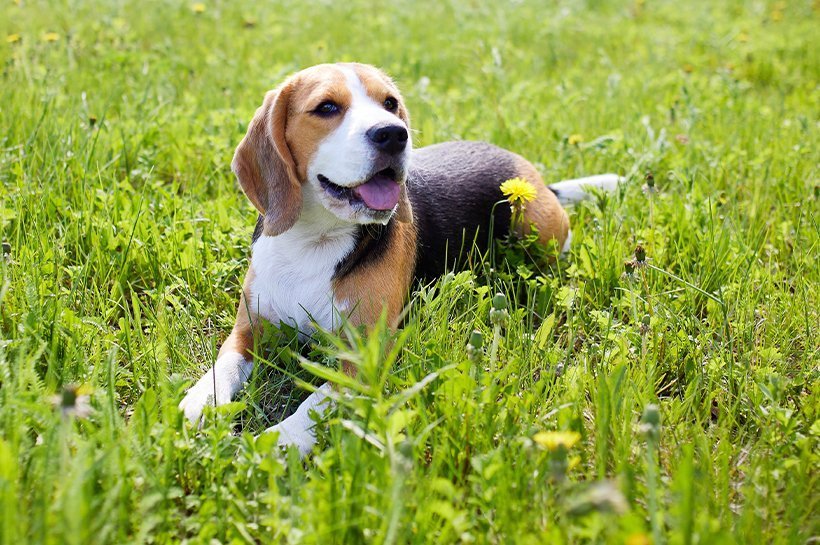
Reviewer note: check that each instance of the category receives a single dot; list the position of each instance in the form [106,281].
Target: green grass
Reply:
[125,239]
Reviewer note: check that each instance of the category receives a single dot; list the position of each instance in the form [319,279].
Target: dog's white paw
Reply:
[217,386]
[295,432]
[297,429]
[200,395]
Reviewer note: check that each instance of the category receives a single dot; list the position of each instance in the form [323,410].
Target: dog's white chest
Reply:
[293,275]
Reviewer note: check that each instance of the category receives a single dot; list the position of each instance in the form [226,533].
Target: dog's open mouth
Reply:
[381,192]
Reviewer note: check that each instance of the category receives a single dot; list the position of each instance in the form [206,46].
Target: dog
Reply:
[350,215]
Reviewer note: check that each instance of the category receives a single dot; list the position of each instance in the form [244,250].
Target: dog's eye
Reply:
[326,109]
[391,104]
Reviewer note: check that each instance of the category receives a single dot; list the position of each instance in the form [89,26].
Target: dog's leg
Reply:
[230,372]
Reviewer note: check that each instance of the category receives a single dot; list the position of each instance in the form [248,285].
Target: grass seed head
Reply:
[650,425]
[640,254]
[476,339]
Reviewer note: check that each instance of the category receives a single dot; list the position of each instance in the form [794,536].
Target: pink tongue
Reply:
[379,192]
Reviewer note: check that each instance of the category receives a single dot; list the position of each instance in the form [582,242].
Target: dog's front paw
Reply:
[196,399]
[295,432]
[297,429]
[217,386]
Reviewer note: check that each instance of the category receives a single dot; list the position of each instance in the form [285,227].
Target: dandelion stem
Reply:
[494,346]
[652,489]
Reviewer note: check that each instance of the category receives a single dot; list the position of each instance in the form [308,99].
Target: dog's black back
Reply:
[457,203]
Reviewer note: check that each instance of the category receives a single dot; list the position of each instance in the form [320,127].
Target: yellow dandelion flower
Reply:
[777,15]
[553,440]
[51,37]
[638,539]
[12,38]
[575,139]
[198,7]
[743,37]
[518,190]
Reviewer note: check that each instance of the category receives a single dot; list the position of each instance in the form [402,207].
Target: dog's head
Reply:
[339,131]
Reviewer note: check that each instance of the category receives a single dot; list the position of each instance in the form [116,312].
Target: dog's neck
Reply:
[317,225]
[342,245]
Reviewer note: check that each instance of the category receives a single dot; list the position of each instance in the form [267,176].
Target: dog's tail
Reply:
[573,191]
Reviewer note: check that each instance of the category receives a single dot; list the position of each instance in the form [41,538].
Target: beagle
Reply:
[350,215]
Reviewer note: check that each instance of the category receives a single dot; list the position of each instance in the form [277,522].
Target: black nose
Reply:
[390,139]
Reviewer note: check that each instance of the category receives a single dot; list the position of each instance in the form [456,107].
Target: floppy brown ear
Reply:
[264,165]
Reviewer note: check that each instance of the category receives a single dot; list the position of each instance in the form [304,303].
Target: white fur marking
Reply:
[293,272]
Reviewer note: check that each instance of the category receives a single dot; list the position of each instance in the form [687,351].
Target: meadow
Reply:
[661,394]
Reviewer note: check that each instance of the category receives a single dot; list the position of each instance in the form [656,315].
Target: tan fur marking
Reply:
[382,284]
[545,212]
[247,322]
